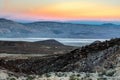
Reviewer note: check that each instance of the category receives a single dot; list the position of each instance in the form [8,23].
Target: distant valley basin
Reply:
[65,41]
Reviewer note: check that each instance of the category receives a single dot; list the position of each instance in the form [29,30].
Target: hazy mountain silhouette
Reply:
[50,29]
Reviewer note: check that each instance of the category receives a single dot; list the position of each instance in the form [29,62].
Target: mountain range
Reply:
[49,29]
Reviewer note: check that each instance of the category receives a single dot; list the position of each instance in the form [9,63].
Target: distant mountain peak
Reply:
[108,24]
[5,20]
[50,42]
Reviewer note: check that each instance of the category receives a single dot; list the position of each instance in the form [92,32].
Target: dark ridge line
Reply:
[57,63]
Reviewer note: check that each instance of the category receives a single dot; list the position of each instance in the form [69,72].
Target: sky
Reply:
[64,10]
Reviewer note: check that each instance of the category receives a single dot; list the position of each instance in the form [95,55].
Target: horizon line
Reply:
[117,22]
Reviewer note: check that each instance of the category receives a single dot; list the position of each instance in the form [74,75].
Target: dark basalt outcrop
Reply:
[86,59]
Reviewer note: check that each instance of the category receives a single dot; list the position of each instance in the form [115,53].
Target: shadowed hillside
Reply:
[39,47]
[94,57]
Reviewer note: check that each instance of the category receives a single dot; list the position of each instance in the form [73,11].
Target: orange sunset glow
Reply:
[63,10]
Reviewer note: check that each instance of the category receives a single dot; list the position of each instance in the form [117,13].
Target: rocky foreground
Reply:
[112,74]
[98,61]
